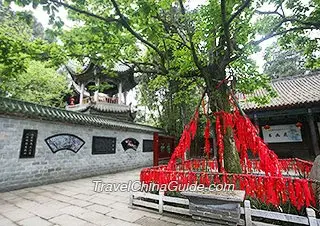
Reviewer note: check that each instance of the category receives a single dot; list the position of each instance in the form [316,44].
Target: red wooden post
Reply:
[155,149]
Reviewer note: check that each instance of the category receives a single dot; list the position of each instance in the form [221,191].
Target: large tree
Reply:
[165,38]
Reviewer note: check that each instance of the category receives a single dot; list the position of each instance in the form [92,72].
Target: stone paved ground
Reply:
[75,203]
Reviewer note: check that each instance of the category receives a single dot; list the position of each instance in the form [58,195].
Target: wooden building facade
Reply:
[290,123]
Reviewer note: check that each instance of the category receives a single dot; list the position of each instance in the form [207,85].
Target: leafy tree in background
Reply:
[39,84]
[170,103]
[21,41]
[282,63]
[165,38]
[22,54]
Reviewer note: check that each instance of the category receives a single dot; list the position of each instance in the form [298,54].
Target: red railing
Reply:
[163,147]
[293,167]
[110,100]
[269,189]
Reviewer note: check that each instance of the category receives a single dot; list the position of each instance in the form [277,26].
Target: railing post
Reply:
[311,217]
[161,194]
[131,199]
[247,213]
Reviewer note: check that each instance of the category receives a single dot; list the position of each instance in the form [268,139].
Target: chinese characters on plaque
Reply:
[282,134]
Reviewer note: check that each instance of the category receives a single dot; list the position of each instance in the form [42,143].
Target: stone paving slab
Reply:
[76,203]
[34,221]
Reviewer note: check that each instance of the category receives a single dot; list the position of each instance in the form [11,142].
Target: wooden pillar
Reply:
[125,94]
[120,93]
[81,94]
[313,133]
[96,93]
[155,149]
[95,96]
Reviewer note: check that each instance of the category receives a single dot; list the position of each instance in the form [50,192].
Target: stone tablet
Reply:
[217,207]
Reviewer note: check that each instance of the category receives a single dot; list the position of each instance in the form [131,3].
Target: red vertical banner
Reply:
[156,150]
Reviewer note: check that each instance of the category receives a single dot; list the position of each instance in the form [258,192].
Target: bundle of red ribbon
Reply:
[246,138]
[270,188]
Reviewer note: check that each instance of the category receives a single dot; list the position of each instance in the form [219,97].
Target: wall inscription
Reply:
[28,143]
[60,142]
[147,146]
[103,145]
[130,143]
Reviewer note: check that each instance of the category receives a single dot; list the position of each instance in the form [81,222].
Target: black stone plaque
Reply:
[103,145]
[28,143]
[64,141]
[130,143]
[147,146]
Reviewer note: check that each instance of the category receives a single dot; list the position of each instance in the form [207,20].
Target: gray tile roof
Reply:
[107,107]
[291,91]
[101,107]
[24,109]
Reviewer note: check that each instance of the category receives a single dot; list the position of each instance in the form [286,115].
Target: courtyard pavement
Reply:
[75,203]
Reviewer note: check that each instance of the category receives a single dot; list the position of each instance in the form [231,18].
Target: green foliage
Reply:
[20,42]
[113,31]
[302,19]
[170,101]
[27,61]
[100,88]
[39,84]
[250,80]
[282,63]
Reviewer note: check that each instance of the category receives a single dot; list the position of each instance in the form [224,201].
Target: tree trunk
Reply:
[219,101]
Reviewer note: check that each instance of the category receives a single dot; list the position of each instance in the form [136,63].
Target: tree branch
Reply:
[192,46]
[237,13]
[124,23]
[315,24]
[269,13]
[276,31]
[172,27]
[147,71]
[105,19]
[281,7]
[139,63]
[270,35]
[122,20]
[178,41]
[225,26]
[144,67]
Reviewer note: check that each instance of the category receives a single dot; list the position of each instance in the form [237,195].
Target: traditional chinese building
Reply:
[290,123]
[103,93]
